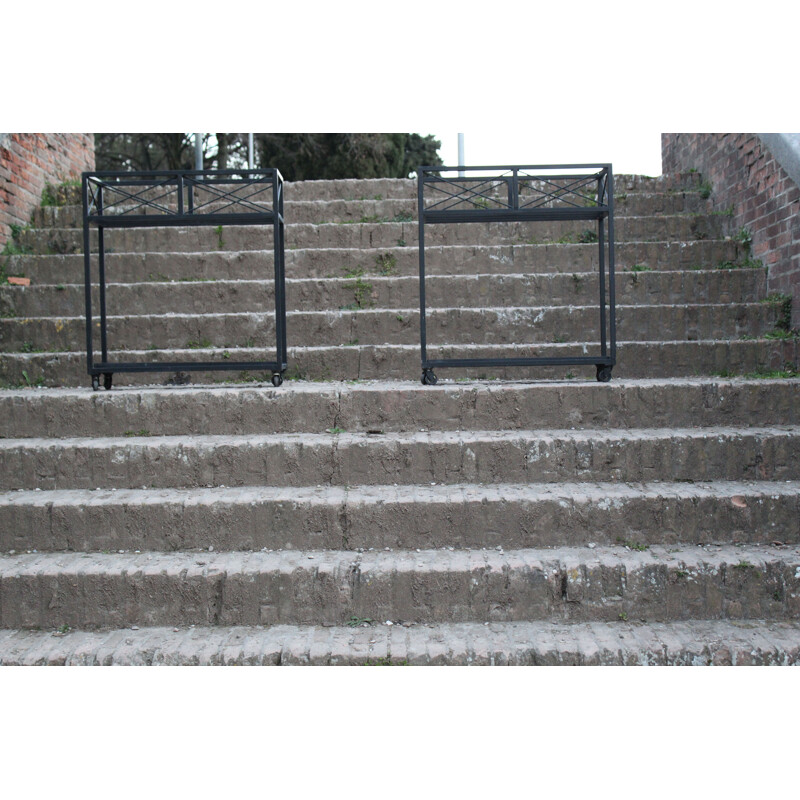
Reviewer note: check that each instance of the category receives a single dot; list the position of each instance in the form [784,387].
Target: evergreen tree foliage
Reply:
[321,156]
[299,156]
[143,151]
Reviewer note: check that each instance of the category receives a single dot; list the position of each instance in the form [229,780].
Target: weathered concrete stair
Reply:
[390,292]
[678,227]
[400,325]
[514,643]
[430,586]
[330,262]
[649,520]
[406,517]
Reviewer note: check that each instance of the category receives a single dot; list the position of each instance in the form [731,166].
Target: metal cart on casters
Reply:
[520,194]
[183,198]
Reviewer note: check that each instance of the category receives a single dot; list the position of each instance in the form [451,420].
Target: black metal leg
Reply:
[423,339]
[101,260]
[87,266]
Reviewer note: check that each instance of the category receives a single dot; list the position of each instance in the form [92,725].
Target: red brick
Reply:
[30,160]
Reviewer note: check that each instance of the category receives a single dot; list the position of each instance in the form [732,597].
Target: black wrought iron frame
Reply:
[170,198]
[554,196]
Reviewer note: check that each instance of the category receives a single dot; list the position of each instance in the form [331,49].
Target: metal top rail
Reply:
[183,197]
[508,167]
[515,193]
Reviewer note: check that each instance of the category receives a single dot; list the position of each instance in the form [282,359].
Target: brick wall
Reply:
[744,174]
[29,161]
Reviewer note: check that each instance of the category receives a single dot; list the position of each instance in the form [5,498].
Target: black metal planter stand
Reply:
[184,198]
[522,194]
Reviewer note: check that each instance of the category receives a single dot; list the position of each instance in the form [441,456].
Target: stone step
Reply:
[727,358]
[605,584]
[360,458]
[445,327]
[339,262]
[396,209]
[685,643]
[351,189]
[646,203]
[461,516]
[315,294]
[678,227]
[397,406]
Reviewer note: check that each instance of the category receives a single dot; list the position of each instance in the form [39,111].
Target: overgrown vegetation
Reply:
[362,294]
[13,247]
[631,545]
[386,263]
[29,383]
[357,622]
[742,263]
[30,347]
[744,238]
[779,333]
[789,371]
[220,240]
[55,196]
[783,324]
[727,212]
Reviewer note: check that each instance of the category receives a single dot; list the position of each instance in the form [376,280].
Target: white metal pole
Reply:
[461,154]
[250,152]
[198,151]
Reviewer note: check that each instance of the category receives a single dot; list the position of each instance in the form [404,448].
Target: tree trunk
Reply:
[222,153]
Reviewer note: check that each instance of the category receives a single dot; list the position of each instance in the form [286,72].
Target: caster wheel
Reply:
[107,380]
[428,378]
[603,373]
[95,382]
[277,379]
